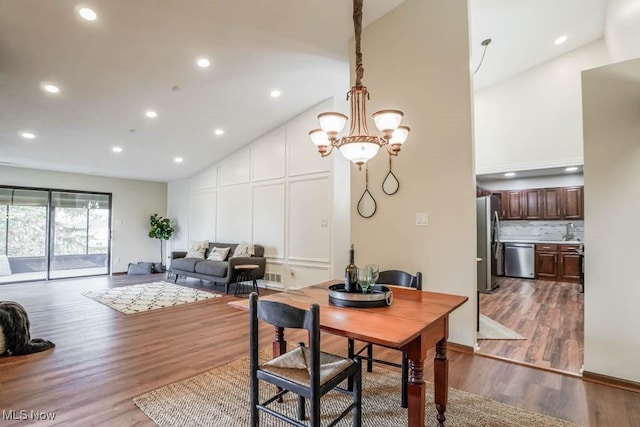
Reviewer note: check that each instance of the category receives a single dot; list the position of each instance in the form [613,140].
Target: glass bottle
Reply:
[351,274]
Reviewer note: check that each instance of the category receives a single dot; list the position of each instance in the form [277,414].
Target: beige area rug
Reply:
[220,398]
[492,330]
[147,296]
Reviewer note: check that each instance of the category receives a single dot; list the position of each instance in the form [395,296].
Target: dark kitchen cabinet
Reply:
[569,259]
[546,262]
[558,262]
[513,204]
[573,203]
[552,204]
[531,204]
[542,203]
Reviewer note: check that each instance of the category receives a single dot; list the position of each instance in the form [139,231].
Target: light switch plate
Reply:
[324,223]
[422,219]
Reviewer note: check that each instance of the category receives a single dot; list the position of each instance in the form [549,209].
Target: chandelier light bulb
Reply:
[387,121]
[332,123]
[319,138]
[399,135]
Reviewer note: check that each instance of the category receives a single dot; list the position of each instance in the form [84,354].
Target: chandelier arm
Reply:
[328,152]
[357,26]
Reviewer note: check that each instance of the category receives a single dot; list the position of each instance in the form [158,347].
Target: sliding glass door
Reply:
[47,234]
[79,234]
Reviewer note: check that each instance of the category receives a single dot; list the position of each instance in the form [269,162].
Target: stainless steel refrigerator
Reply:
[490,250]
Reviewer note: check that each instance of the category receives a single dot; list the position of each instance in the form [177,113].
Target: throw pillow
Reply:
[157,267]
[243,249]
[197,249]
[218,254]
[140,269]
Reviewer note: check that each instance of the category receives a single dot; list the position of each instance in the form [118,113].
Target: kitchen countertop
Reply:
[549,242]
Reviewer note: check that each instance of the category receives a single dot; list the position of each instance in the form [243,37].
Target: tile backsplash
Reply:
[539,230]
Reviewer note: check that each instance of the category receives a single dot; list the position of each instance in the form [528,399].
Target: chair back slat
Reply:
[401,278]
[284,315]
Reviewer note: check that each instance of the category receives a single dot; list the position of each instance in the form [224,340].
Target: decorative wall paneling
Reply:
[309,220]
[268,156]
[269,218]
[202,216]
[235,169]
[234,221]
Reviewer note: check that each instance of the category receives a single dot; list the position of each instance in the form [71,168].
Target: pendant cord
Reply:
[357,26]
[366,175]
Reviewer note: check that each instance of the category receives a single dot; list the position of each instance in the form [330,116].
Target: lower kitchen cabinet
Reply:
[558,262]
[569,270]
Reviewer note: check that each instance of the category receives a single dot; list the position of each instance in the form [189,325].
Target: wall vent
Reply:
[273,277]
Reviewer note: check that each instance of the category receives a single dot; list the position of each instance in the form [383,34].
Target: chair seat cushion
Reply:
[185,264]
[212,268]
[295,366]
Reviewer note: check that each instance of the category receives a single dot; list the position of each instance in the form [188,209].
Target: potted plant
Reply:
[160,228]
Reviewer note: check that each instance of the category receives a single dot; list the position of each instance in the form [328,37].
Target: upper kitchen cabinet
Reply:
[531,204]
[520,204]
[538,203]
[512,204]
[563,203]
[573,203]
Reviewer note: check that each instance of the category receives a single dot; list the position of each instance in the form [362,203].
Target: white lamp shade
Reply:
[359,152]
[387,119]
[319,138]
[400,135]
[332,122]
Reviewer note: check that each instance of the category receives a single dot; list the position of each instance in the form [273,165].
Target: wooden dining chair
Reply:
[398,278]
[305,371]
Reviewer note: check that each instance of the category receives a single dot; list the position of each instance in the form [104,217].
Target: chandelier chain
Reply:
[357,26]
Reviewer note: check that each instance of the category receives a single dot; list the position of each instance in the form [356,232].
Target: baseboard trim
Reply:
[611,381]
[529,365]
[460,348]
[119,273]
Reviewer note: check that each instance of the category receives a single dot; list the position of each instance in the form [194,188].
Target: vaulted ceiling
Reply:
[141,55]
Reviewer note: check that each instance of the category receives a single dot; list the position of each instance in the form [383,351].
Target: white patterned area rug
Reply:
[147,296]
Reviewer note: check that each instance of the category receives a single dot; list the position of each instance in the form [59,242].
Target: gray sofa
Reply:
[218,272]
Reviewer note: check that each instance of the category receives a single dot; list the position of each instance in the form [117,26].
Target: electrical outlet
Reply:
[422,219]
[116,260]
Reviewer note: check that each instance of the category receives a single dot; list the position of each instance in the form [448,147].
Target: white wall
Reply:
[430,82]
[611,97]
[534,119]
[133,202]
[277,192]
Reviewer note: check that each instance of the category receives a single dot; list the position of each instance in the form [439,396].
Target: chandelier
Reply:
[359,146]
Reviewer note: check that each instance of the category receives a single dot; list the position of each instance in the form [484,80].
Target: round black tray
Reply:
[378,296]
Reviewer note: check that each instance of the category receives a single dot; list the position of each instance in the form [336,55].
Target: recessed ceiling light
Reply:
[571,169]
[51,88]
[178,160]
[203,62]
[117,149]
[218,132]
[151,114]
[510,174]
[275,93]
[28,135]
[87,14]
[561,40]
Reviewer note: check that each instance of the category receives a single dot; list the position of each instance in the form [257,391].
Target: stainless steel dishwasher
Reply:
[519,260]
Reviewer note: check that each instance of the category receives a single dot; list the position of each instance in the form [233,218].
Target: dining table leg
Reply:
[441,380]
[415,386]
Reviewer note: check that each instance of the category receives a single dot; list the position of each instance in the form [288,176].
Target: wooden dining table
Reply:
[414,322]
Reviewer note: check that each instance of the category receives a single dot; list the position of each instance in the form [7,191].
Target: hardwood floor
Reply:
[551,316]
[103,359]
